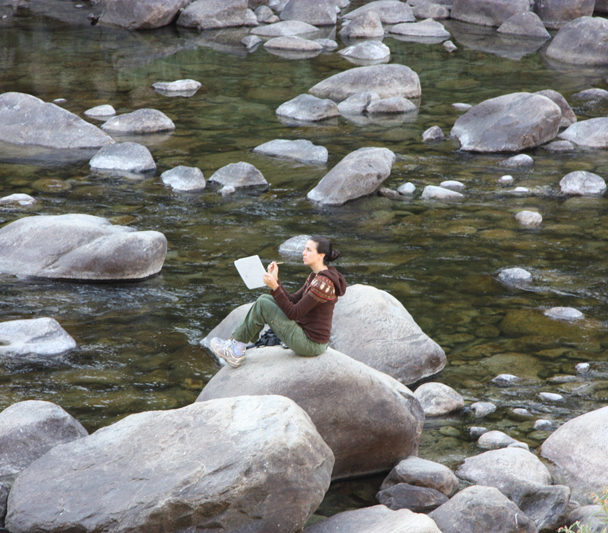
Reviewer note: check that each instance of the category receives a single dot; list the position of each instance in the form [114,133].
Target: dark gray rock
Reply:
[27,120]
[556,13]
[301,150]
[364,26]
[393,343]
[389,11]
[508,123]
[140,15]
[182,178]
[422,473]
[582,41]
[526,24]
[209,465]
[214,14]
[315,12]
[358,174]
[79,247]
[240,175]
[34,339]
[568,116]
[376,519]
[592,133]
[27,431]
[478,508]
[367,418]
[127,157]
[385,80]
[582,183]
[308,108]
[139,121]
[487,12]
[412,497]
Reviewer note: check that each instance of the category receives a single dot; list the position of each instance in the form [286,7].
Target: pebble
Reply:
[406,189]
[449,46]
[564,313]
[477,431]
[492,440]
[582,368]
[542,424]
[518,161]
[529,219]
[453,185]
[461,107]
[506,180]
[505,380]
[226,190]
[482,409]
[521,412]
[551,396]
[434,133]
[514,275]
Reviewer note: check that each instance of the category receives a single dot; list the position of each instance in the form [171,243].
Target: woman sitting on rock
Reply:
[301,320]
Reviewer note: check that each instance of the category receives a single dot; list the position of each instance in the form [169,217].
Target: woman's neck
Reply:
[318,267]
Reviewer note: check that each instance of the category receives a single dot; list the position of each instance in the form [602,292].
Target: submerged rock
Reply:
[433,192]
[27,120]
[394,104]
[367,418]
[182,178]
[239,453]
[358,174]
[518,161]
[583,41]
[141,15]
[301,150]
[564,313]
[33,339]
[139,121]
[239,175]
[385,80]
[508,123]
[126,157]
[529,219]
[79,247]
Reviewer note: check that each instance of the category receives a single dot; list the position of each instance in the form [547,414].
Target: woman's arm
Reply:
[294,310]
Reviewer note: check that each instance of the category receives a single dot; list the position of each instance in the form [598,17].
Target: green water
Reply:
[138,343]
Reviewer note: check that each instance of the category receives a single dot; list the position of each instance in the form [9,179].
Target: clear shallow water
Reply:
[138,343]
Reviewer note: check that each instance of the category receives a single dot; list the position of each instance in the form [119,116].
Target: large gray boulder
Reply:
[27,431]
[556,13]
[27,120]
[592,133]
[487,12]
[389,11]
[213,14]
[579,453]
[358,174]
[140,15]
[79,247]
[568,116]
[508,123]
[34,339]
[368,419]
[582,41]
[127,158]
[376,519]
[301,150]
[140,121]
[385,80]
[373,327]
[254,464]
[315,12]
[479,508]
[526,24]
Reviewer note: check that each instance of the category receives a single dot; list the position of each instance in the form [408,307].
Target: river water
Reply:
[138,342]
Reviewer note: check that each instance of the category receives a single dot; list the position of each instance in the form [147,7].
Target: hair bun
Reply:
[334,254]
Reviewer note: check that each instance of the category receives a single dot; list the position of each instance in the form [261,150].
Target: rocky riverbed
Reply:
[456,151]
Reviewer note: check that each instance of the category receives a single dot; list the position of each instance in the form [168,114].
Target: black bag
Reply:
[268,338]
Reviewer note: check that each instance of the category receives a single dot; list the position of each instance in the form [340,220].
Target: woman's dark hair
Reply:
[324,246]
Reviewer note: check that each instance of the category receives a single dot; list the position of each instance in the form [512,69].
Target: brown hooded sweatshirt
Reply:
[312,305]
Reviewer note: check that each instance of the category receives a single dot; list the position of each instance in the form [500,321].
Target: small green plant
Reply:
[577,527]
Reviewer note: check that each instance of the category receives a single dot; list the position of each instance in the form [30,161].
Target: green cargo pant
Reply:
[266,311]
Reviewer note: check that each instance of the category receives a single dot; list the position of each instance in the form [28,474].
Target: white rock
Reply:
[178,86]
[564,313]
[506,180]
[453,185]
[514,275]
[551,397]
[301,150]
[251,41]
[438,399]
[407,189]
[285,27]
[483,409]
[449,46]
[520,190]
[294,246]
[477,431]
[357,103]
[308,108]
[227,190]
[239,175]
[105,110]
[542,424]
[521,412]
[36,336]
[505,380]
[493,440]
[182,178]
[367,51]
[518,161]
[394,104]
[18,199]
[582,368]
[144,120]
[582,183]
[428,28]
[432,192]
[434,133]
[529,219]
[460,106]
[127,157]
[293,43]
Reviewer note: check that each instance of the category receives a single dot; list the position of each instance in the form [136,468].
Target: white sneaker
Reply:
[230,350]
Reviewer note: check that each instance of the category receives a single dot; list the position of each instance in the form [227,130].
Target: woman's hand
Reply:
[271,278]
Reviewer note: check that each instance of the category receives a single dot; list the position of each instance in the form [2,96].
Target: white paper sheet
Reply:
[251,270]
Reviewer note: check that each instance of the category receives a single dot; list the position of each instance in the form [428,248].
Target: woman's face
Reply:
[310,256]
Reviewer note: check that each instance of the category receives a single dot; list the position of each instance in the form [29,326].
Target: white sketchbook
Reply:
[251,270]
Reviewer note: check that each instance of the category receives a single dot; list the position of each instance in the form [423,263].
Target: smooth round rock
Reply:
[406,189]
[506,180]
[301,150]
[308,108]
[185,87]
[434,133]
[529,219]
[123,157]
[35,336]
[518,161]
[551,397]
[482,409]
[564,313]
[438,399]
[182,178]
[239,175]
[582,183]
[432,192]
[17,200]
[139,121]
[105,110]
[505,380]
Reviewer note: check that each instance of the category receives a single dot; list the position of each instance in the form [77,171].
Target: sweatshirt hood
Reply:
[337,279]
